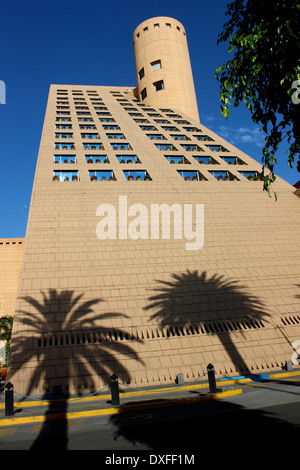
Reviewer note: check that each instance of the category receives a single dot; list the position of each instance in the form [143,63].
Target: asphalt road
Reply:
[265,414]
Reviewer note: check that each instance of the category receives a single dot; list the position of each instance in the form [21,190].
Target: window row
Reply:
[71,159]
[143,175]
[133,159]
[94,146]
[101,175]
[160,25]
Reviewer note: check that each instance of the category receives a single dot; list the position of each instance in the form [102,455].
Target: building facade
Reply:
[151,248]
[11,250]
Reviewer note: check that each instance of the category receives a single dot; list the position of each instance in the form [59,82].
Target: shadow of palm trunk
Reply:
[54,431]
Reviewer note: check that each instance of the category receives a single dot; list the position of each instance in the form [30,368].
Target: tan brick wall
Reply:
[149,309]
[11,250]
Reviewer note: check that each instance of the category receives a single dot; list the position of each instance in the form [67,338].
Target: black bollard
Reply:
[211,378]
[9,399]
[114,388]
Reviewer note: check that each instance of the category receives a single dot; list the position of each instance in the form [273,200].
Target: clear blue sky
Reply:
[90,43]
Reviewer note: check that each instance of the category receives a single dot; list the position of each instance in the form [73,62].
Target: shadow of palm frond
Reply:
[62,313]
[193,299]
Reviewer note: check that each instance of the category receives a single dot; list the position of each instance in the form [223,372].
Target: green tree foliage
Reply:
[264,72]
[5,333]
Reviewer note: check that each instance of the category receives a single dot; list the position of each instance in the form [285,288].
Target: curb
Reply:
[116,410]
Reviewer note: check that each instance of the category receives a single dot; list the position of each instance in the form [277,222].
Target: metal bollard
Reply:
[211,378]
[9,399]
[114,388]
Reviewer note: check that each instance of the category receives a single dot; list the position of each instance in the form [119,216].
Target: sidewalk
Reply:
[242,388]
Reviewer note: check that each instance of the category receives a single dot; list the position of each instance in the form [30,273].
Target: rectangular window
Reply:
[65,176]
[104,175]
[131,159]
[144,93]
[133,175]
[96,159]
[159,85]
[64,159]
[156,65]
[142,73]
[156,25]
[192,176]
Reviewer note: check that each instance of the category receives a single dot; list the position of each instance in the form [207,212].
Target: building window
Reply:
[156,137]
[64,146]
[156,25]
[104,175]
[87,146]
[192,176]
[156,65]
[159,85]
[115,136]
[144,93]
[168,25]
[192,148]
[233,160]
[133,175]
[65,176]
[90,136]
[178,159]
[141,73]
[206,160]
[252,175]
[217,148]
[166,147]
[224,176]
[64,159]
[124,146]
[145,29]
[63,135]
[96,159]
[133,159]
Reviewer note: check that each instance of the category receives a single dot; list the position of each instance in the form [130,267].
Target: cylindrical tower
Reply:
[163,67]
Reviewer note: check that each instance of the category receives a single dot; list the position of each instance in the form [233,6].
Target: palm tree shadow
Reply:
[211,426]
[63,318]
[193,302]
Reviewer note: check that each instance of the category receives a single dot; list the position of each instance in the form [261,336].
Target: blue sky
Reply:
[90,43]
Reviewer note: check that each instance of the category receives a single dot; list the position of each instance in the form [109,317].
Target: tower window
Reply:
[145,29]
[156,25]
[156,65]
[144,93]
[159,85]
[142,73]
[168,25]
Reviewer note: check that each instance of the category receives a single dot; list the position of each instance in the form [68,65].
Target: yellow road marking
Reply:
[25,404]
[122,409]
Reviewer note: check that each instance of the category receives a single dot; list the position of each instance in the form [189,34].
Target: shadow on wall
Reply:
[192,303]
[88,351]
